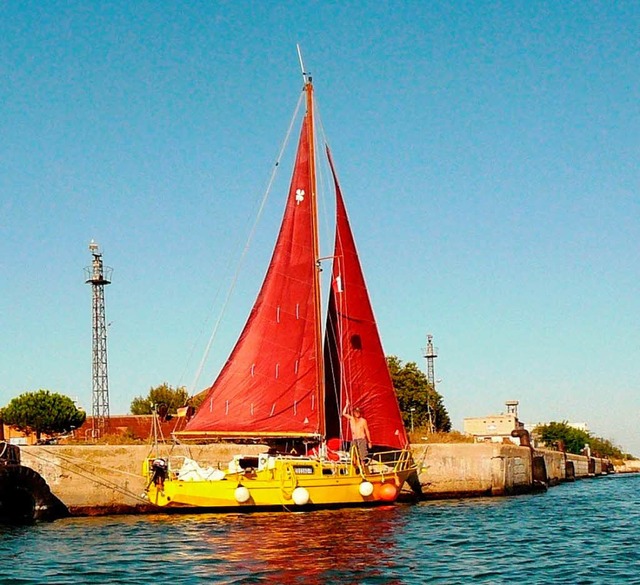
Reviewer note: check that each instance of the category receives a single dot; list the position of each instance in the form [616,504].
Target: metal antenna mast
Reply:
[430,354]
[305,74]
[98,275]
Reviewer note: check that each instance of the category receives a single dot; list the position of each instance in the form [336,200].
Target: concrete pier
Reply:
[495,469]
[468,469]
[104,479]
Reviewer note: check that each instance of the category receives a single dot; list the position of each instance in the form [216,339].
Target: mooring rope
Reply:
[87,474]
[73,460]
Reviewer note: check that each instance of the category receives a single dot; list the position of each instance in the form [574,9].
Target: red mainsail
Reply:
[355,366]
[270,386]
[273,384]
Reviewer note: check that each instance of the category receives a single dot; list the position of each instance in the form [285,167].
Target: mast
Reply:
[98,276]
[271,386]
[430,354]
[308,87]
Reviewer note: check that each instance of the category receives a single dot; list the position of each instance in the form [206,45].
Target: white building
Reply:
[495,428]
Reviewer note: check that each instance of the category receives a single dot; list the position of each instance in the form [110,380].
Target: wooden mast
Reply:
[308,87]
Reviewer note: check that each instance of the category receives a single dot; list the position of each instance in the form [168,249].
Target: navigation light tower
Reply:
[98,275]
[430,354]
[512,407]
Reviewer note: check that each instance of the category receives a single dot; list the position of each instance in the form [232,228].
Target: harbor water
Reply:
[584,532]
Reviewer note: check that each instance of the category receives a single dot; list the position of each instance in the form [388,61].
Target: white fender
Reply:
[242,494]
[366,489]
[300,496]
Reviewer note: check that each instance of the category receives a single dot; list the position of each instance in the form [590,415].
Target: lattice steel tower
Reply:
[430,354]
[98,275]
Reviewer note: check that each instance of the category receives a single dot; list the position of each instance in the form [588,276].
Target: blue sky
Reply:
[487,151]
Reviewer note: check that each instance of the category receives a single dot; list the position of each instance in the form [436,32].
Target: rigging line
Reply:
[219,290]
[325,182]
[330,177]
[341,301]
[78,461]
[227,270]
[341,387]
[92,477]
[248,243]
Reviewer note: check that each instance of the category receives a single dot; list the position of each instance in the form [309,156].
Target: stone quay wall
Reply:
[104,479]
[472,469]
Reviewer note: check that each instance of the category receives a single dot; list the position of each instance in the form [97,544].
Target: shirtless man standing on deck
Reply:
[359,431]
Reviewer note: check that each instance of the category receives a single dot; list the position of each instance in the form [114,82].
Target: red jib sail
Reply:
[270,386]
[355,366]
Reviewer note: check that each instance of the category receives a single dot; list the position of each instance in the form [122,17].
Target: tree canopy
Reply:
[173,398]
[414,392]
[552,434]
[41,412]
[575,440]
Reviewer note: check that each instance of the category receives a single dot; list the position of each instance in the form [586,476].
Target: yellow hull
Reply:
[285,482]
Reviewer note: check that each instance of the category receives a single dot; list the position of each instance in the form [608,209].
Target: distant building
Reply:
[495,428]
[136,427]
[127,426]
[15,437]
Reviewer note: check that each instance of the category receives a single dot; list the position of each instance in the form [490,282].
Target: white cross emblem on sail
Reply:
[299,196]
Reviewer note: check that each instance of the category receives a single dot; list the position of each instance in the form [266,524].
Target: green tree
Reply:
[574,439]
[414,392]
[43,412]
[174,398]
[605,448]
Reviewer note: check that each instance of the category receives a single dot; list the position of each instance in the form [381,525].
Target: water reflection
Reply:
[345,546]
[585,532]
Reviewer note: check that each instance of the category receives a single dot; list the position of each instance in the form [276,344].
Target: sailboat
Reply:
[289,382]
